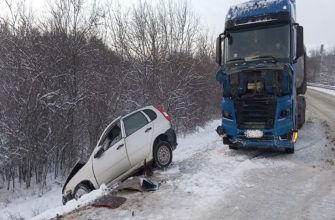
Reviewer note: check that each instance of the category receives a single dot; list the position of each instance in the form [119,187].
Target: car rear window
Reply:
[134,122]
[152,115]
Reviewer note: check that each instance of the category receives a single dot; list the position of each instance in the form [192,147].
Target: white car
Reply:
[127,144]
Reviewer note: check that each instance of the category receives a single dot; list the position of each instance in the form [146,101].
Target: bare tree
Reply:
[64,78]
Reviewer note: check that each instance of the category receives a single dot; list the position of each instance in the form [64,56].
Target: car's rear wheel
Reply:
[81,190]
[162,154]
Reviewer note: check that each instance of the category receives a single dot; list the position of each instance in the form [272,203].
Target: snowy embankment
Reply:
[328,91]
[73,204]
[24,204]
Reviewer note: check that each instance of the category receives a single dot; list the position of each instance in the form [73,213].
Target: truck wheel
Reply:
[301,111]
[233,147]
[289,150]
[162,154]
[80,191]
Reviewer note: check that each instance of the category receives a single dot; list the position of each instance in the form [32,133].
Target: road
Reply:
[213,182]
[322,106]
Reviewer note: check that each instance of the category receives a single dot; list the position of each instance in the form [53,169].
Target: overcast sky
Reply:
[317,17]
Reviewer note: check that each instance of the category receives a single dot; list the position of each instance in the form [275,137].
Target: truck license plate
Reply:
[253,133]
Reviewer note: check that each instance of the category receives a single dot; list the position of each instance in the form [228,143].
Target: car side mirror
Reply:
[300,42]
[218,51]
[99,153]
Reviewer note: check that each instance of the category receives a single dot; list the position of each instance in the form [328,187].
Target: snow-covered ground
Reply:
[73,204]
[24,204]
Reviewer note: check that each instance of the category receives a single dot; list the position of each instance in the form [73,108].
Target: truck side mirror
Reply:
[300,42]
[218,51]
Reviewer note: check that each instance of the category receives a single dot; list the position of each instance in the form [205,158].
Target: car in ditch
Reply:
[126,145]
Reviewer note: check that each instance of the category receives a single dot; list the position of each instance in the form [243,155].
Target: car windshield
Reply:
[112,135]
[271,42]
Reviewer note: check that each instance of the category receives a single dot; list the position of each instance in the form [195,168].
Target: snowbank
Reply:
[26,203]
[328,91]
[73,204]
[190,144]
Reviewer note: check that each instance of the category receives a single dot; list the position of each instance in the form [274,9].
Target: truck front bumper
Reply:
[268,139]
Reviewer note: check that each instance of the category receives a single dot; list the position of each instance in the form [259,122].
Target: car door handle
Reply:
[148,129]
[119,147]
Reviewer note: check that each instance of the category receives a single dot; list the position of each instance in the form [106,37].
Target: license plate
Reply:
[253,133]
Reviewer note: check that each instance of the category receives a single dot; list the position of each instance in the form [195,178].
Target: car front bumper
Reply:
[67,197]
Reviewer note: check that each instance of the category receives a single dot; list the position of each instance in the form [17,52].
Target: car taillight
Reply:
[163,113]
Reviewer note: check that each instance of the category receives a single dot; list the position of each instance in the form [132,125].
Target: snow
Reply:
[239,9]
[73,204]
[29,205]
[190,144]
[328,91]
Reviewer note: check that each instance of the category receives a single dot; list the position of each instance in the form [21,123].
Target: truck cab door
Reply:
[138,131]
[111,159]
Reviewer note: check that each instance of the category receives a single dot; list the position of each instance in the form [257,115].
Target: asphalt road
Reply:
[322,106]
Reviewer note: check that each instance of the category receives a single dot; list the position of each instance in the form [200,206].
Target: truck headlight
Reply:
[285,113]
[227,115]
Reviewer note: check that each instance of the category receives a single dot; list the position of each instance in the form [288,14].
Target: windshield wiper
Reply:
[265,57]
[236,59]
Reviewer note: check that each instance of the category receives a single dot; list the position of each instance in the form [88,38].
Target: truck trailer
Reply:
[262,71]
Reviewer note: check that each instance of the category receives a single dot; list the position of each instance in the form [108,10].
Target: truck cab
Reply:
[262,72]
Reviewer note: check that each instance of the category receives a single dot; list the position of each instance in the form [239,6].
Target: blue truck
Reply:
[262,71]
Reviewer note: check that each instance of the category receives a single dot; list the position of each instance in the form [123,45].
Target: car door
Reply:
[112,160]
[138,131]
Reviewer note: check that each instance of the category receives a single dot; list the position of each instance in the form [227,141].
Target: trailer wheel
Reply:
[301,111]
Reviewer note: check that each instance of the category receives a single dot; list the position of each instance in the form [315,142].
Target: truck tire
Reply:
[289,150]
[162,154]
[81,190]
[233,147]
[301,111]
[303,88]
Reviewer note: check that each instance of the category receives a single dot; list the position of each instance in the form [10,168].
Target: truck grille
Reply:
[255,112]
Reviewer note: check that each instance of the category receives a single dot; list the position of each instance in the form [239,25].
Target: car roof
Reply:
[140,109]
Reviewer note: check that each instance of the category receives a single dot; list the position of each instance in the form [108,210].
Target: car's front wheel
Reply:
[80,191]
[162,154]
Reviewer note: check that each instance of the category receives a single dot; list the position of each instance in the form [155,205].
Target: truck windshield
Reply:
[271,42]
